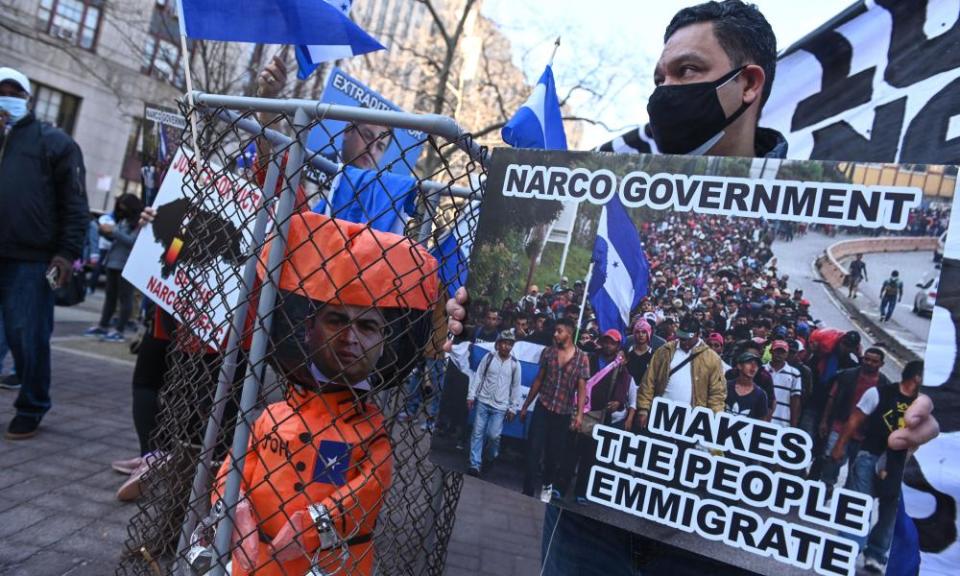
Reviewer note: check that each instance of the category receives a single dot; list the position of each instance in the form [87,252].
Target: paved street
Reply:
[914,267]
[58,514]
[796,259]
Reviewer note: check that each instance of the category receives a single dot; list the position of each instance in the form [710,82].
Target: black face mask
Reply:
[685,117]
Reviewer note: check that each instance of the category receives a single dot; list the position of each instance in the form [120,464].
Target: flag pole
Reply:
[185,56]
[556,46]
[583,302]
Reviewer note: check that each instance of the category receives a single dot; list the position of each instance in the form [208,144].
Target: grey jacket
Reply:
[123,236]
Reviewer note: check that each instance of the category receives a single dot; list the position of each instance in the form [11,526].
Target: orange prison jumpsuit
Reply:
[288,466]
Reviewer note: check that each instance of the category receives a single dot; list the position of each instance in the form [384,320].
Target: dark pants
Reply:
[574,545]
[27,303]
[148,377]
[887,305]
[117,289]
[154,363]
[548,439]
[586,452]
[97,270]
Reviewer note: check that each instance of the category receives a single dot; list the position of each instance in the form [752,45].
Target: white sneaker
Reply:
[546,494]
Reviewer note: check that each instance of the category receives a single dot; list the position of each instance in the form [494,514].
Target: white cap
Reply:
[15,76]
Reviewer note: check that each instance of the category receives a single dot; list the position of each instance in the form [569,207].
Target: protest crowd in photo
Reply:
[288,269]
[712,279]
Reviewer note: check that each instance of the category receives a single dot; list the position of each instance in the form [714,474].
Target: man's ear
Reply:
[753,80]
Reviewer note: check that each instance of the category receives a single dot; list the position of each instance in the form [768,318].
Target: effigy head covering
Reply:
[329,262]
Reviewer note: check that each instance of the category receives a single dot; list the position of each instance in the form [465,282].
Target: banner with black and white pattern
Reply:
[880,82]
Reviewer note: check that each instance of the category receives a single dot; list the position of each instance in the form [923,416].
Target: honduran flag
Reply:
[539,122]
[466,356]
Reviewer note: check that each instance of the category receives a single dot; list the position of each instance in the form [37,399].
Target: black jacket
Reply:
[43,198]
[845,382]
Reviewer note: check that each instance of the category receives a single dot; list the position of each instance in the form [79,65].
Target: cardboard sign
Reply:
[720,256]
[188,260]
[344,90]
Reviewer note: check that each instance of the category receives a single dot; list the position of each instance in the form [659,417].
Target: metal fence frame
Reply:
[231,109]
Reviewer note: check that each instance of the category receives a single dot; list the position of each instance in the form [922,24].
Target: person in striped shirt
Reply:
[787,387]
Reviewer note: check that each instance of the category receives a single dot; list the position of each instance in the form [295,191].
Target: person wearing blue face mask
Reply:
[44,202]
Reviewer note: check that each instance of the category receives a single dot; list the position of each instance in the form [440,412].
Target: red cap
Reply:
[614,334]
[781,344]
[805,302]
[715,337]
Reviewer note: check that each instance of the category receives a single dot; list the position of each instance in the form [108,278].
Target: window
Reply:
[161,50]
[56,107]
[130,171]
[75,21]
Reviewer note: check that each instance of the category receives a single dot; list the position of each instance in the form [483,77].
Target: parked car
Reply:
[938,251]
[926,297]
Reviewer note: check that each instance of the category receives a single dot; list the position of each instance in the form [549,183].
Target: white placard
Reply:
[163,264]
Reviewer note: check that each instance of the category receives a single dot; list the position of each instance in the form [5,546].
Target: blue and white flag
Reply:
[539,122]
[621,274]
[307,22]
[383,199]
[312,55]
[248,156]
[162,149]
[453,253]
[466,356]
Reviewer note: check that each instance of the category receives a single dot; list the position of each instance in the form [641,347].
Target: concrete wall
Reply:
[833,271]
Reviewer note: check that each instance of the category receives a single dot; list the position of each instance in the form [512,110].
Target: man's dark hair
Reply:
[912,369]
[570,324]
[742,31]
[875,351]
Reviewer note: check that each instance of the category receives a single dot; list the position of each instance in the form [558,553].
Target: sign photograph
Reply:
[684,409]
[188,259]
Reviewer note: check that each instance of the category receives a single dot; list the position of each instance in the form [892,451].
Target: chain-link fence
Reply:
[304,344]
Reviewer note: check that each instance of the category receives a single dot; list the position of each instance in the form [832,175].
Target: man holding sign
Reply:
[713,77]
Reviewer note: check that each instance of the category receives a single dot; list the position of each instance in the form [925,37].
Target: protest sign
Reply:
[744,267]
[344,90]
[188,258]
[161,132]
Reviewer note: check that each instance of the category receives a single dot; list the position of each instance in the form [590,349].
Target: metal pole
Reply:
[430,123]
[258,349]
[583,303]
[430,203]
[228,369]
[319,162]
[566,245]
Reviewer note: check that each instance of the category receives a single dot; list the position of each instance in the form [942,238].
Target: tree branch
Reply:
[437,20]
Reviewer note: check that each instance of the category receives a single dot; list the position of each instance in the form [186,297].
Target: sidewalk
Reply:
[58,514]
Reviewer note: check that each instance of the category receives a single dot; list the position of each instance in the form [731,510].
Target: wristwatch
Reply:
[324,525]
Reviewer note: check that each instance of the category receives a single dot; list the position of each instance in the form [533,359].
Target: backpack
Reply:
[891,286]
[485,366]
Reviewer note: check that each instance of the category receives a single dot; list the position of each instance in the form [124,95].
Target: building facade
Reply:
[93,66]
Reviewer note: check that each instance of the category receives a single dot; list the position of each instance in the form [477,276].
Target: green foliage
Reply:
[548,272]
[514,214]
[498,267]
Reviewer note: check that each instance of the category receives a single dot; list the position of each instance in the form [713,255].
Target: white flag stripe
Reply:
[619,285]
